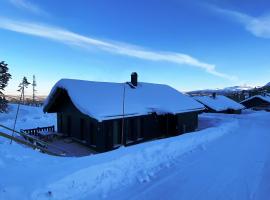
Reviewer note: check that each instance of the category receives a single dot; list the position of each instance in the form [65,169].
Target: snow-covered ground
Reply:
[229,158]
[28,117]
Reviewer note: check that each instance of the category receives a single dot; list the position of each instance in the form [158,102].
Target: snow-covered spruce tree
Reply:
[4,78]
[24,84]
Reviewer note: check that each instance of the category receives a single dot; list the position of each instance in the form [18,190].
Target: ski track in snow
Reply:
[229,160]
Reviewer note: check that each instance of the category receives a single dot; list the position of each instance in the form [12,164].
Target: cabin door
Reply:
[172,125]
[162,125]
[59,123]
[116,133]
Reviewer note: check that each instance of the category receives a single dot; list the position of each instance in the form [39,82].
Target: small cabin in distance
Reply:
[106,115]
[258,102]
[220,104]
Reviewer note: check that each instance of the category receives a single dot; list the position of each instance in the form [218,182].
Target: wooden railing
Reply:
[36,131]
[33,142]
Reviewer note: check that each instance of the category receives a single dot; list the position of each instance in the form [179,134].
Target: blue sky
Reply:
[187,44]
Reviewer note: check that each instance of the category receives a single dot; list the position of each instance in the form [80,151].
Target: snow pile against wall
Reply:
[102,100]
[219,103]
[126,165]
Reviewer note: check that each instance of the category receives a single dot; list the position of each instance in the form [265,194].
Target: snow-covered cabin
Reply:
[105,115]
[220,104]
[258,102]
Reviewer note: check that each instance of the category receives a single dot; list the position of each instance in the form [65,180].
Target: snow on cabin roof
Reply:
[265,98]
[103,100]
[219,103]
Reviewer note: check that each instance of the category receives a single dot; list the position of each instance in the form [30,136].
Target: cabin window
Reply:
[60,123]
[116,132]
[69,126]
[82,128]
[131,130]
[139,128]
[92,133]
[184,128]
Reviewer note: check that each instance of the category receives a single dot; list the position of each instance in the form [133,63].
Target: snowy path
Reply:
[236,166]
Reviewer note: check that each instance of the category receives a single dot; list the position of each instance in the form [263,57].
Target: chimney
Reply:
[134,79]
[214,95]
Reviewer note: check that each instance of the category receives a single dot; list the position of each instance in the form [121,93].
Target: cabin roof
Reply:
[265,98]
[219,103]
[103,100]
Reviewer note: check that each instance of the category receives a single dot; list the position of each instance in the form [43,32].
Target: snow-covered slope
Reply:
[237,88]
[228,159]
[225,90]
[28,117]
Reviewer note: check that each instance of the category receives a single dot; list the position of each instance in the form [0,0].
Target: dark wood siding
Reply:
[92,133]
[59,123]
[186,122]
[68,125]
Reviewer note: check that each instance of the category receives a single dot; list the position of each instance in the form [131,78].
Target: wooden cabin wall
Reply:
[187,122]
[73,123]
[107,135]
[142,128]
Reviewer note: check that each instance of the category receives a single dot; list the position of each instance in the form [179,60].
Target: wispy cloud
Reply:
[27,5]
[71,38]
[258,26]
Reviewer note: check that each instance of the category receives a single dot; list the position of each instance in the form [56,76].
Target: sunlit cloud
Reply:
[258,26]
[74,39]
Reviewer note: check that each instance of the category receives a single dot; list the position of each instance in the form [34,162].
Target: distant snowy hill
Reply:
[238,88]
[268,84]
[222,91]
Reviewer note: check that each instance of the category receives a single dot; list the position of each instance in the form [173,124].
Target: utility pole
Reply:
[34,84]
[123,139]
